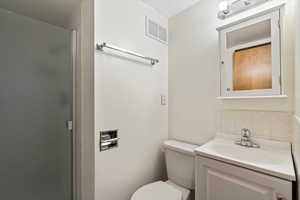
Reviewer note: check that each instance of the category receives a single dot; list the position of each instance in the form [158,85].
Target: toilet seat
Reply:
[157,191]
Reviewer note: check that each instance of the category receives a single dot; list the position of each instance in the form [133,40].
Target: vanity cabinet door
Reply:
[221,181]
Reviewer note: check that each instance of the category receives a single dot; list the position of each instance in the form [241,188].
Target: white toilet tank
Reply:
[180,161]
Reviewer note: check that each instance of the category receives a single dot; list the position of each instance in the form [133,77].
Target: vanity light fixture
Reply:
[224,7]
[228,7]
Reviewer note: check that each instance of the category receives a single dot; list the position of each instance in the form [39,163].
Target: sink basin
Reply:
[273,158]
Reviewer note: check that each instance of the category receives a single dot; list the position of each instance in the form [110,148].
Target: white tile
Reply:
[262,124]
[266,125]
[281,126]
[228,122]
[243,119]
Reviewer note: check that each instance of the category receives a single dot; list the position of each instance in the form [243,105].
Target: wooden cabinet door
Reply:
[221,181]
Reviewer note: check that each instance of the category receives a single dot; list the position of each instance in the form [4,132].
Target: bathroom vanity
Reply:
[226,171]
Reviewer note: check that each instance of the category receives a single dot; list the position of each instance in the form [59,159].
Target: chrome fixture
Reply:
[224,7]
[109,140]
[246,140]
[100,47]
[227,7]
[231,7]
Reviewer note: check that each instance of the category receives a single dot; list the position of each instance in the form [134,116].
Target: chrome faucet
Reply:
[246,140]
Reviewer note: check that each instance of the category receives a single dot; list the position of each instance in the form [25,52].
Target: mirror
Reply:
[252,68]
[250,53]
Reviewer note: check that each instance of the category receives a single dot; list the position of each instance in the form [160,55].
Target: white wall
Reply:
[193,73]
[194,113]
[296,136]
[296,149]
[87,101]
[297,61]
[127,97]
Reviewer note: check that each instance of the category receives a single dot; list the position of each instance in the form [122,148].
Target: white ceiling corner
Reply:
[170,8]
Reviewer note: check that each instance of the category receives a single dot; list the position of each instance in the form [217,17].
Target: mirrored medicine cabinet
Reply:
[250,57]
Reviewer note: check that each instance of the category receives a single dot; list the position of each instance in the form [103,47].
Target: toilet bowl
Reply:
[180,167]
[161,191]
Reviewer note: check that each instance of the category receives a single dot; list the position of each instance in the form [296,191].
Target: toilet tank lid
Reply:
[180,147]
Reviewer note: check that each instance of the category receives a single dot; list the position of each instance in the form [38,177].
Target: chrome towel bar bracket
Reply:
[100,47]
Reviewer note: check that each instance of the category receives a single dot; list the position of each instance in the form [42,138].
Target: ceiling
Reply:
[56,12]
[170,8]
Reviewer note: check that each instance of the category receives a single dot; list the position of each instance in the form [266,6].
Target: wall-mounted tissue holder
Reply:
[108,140]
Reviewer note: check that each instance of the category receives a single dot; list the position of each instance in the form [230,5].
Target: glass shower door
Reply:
[35,103]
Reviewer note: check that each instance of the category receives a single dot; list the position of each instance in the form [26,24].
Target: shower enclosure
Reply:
[35,103]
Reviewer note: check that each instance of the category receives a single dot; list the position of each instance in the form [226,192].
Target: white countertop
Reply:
[273,158]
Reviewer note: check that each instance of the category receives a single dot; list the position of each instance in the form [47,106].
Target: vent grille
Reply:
[153,28]
[156,31]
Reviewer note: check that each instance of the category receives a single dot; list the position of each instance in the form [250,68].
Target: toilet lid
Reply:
[158,191]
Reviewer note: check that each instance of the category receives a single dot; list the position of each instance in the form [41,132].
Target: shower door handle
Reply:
[69,125]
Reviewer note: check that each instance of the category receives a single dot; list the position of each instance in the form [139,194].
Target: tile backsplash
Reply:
[266,125]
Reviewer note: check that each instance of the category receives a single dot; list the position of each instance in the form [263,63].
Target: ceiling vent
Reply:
[156,31]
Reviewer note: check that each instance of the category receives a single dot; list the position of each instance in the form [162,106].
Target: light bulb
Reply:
[224,6]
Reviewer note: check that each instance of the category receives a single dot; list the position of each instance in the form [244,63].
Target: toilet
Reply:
[180,160]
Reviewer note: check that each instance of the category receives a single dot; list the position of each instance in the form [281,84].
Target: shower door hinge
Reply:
[69,125]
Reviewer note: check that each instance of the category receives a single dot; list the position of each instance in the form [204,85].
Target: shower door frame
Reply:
[73,132]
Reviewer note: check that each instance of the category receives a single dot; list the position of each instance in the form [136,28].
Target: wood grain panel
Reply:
[252,68]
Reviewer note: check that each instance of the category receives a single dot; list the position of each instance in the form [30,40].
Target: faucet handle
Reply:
[245,133]
[245,139]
